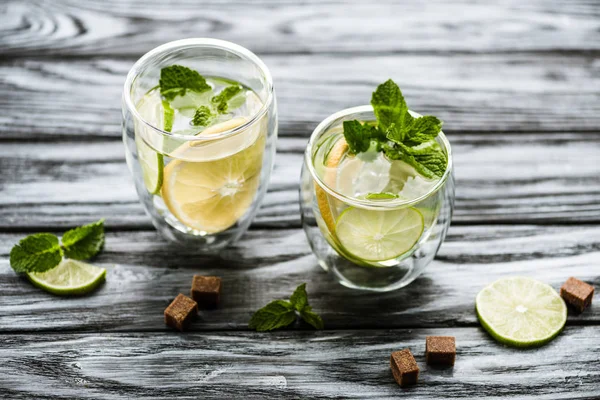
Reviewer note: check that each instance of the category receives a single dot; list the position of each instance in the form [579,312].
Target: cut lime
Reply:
[373,235]
[151,163]
[69,277]
[521,311]
[151,108]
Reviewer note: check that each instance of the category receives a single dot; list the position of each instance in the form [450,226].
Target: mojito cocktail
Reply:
[199,127]
[377,192]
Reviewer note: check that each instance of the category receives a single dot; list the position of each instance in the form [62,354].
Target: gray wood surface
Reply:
[300,364]
[528,178]
[145,274]
[518,86]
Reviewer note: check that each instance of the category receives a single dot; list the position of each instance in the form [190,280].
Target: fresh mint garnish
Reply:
[398,134]
[299,298]
[281,313]
[84,242]
[276,314]
[36,253]
[176,80]
[381,196]
[221,100]
[202,117]
[41,252]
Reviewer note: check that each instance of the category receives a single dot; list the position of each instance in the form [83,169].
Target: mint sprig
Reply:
[84,242]
[281,313]
[41,252]
[398,134]
[176,80]
[202,116]
[36,253]
[221,101]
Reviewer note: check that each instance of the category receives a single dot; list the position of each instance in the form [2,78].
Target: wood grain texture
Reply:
[43,98]
[334,364]
[145,274]
[517,178]
[71,27]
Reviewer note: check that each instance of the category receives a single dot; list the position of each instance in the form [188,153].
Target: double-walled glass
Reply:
[322,207]
[201,189]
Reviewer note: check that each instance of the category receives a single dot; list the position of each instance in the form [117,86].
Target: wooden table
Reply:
[518,86]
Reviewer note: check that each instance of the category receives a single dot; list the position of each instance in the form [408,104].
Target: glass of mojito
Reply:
[199,127]
[377,192]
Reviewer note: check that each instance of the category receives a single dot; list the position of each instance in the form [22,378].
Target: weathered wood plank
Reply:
[336,364]
[99,27]
[145,274]
[518,178]
[505,92]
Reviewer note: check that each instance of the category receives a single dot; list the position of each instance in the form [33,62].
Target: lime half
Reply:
[521,311]
[69,277]
[373,235]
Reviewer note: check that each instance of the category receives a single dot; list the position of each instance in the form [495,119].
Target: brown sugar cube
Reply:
[180,312]
[577,293]
[440,350]
[206,290]
[404,367]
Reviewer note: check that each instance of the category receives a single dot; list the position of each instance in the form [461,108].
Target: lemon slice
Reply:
[521,312]
[373,235]
[69,277]
[210,196]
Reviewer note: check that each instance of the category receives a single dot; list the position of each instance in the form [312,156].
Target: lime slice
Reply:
[373,235]
[151,108]
[521,311]
[151,163]
[69,277]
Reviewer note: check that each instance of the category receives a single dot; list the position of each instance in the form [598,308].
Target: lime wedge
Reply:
[153,110]
[521,311]
[69,277]
[372,235]
[151,163]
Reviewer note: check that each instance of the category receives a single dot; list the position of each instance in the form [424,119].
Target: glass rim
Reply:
[233,48]
[365,203]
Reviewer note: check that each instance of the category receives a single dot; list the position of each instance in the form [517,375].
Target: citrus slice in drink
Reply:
[332,160]
[210,196]
[151,164]
[374,235]
[521,311]
[152,110]
[69,277]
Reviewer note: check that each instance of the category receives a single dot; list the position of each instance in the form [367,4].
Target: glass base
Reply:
[383,279]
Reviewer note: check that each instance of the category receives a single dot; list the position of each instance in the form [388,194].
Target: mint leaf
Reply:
[312,318]
[276,314]
[175,80]
[389,106]
[169,115]
[381,196]
[357,135]
[36,253]
[420,130]
[85,241]
[299,298]
[221,100]
[202,117]
[429,161]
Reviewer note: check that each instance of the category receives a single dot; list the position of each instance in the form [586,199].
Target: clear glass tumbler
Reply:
[201,183]
[323,206]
